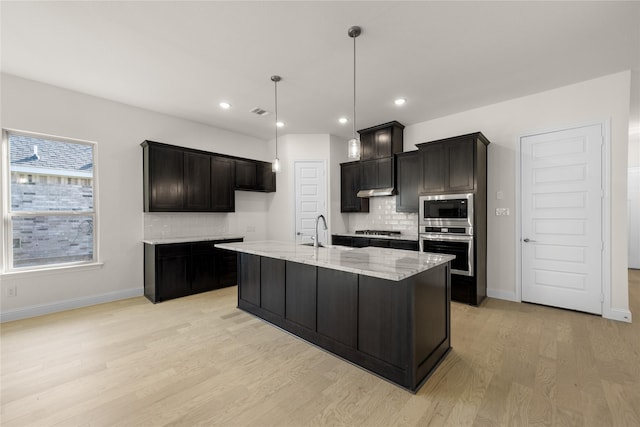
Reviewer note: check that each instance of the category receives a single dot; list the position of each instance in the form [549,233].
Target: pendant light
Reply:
[276,162]
[354,143]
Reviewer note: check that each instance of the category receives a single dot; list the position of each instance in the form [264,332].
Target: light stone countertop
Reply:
[413,237]
[169,240]
[389,264]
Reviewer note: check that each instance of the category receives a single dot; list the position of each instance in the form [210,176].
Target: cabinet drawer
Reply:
[172,250]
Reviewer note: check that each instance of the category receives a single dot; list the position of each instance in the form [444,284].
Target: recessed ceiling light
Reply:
[400,101]
[279,124]
[343,120]
[225,105]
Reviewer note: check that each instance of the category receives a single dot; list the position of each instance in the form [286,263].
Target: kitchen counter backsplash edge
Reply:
[413,237]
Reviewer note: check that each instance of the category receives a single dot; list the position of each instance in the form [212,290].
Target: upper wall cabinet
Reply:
[178,179]
[409,182]
[382,141]
[254,175]
[449,165]
[349,187]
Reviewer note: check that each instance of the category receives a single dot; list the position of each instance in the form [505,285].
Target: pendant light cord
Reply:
[276,97]
[354,87]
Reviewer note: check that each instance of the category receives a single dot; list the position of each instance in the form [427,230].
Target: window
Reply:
[49,207]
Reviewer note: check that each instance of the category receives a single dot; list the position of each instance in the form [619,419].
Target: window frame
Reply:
[8,215]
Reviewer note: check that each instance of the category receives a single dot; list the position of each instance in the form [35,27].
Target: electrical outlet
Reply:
[12,291]
[502,211]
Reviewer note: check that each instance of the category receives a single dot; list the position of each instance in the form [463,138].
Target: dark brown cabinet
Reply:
[179,269]
[253,175]
[223,174]
[197,182]
[272,285]
[338,306]
[300,296]
[349,187]
[381,141]
[459,165]
[449,165]
[163,179]
[178,179]
[378,146]
[409,181]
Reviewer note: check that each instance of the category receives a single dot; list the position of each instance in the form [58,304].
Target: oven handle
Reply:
[447,237]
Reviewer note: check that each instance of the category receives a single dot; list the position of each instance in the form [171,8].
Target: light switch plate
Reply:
[499,195]
[502,211]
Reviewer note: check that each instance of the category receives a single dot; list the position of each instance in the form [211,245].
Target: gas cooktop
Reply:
[378,232]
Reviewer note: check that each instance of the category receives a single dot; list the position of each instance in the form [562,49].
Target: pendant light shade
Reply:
[354,143]
[275,165]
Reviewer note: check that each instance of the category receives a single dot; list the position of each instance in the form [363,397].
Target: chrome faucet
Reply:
[324,224]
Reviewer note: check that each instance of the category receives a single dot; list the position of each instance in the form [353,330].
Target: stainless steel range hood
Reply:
[376,192]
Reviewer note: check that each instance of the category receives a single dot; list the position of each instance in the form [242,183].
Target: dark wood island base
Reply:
[398,330]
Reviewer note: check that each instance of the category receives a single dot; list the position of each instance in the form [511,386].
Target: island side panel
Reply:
[249,278]
[432,321]
[301,292]
[272,285]
[338,306]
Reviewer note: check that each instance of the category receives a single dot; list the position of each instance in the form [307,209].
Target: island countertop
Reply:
[383,263]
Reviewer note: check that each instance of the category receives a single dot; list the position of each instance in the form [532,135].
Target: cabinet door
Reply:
[300,306]
[272,290]
[338,305]
[386,170]
[379,243]
[341,240]
[246,174]
[408,184]
[367,146]
[433,168]
[249,280]
[266,177]
[166,170]
[197,182]
[360,242]
[383,320]
[222,184]
[460,161]
[203,271]
[172,271]
[410,245]
[369,174]
[383,143]
[349,186]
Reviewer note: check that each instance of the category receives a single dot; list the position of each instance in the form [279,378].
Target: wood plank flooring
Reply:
[200,361]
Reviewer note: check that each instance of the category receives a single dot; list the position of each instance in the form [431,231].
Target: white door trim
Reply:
[607,311]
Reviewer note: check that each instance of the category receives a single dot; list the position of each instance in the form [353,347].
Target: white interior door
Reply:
[311,199]
[561,217]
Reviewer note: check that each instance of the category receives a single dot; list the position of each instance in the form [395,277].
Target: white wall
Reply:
[118,129]
[503,124]
[338,222]
[291,148]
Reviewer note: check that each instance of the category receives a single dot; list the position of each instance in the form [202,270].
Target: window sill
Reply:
[52,270]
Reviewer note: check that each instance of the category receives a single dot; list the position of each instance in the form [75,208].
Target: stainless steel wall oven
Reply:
[446,226]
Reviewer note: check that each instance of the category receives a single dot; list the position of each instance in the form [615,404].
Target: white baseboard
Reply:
[41,309]
[505,295]
[618,314]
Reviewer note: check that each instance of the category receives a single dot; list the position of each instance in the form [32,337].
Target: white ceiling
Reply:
[183,58]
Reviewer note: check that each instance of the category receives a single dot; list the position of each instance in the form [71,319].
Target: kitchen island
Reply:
[385,310]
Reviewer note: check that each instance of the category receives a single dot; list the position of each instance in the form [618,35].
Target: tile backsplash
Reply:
[383,216]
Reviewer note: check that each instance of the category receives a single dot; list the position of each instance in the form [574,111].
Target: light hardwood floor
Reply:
[200,361]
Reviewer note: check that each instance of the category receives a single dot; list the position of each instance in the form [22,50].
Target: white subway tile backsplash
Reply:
[383,216]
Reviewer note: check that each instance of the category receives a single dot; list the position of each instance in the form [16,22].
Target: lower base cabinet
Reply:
[180,269]
[398,330]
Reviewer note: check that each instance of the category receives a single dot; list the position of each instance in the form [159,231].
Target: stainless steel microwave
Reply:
[448,210]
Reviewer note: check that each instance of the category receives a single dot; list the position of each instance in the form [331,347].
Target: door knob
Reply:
[527,240]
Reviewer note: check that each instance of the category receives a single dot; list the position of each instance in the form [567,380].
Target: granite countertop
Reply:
[413,237]
[389,264]
[169,240]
